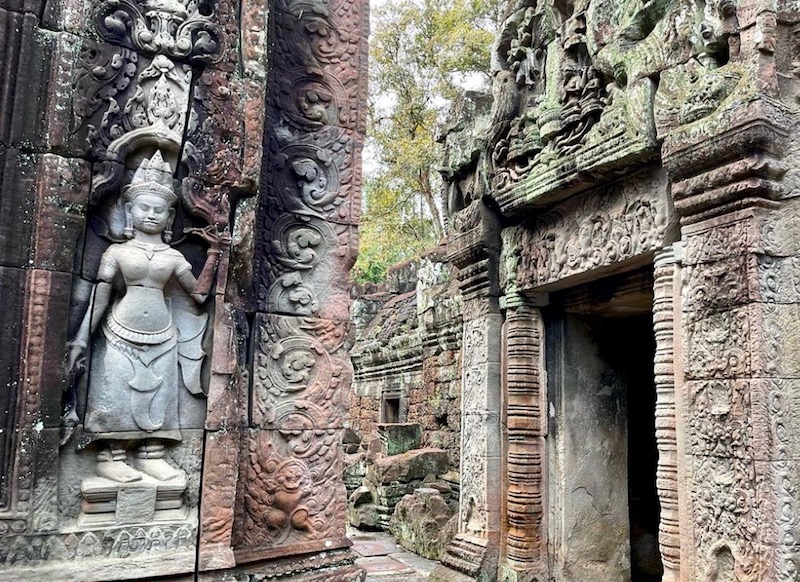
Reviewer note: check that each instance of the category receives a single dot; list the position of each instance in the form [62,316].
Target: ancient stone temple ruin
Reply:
[601,366]
[629,196]
[179,197]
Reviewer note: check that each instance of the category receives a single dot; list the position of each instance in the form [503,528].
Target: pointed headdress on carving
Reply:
[153,176]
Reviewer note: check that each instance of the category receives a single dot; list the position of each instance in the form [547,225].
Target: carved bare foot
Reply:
[150,460]
[111,465]
[118,471]
[157,468]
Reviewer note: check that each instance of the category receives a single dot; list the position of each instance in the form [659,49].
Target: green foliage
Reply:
[420,50]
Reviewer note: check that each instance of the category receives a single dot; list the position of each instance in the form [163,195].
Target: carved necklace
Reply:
[149,249]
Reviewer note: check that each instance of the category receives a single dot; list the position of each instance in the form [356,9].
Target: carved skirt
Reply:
[133,388]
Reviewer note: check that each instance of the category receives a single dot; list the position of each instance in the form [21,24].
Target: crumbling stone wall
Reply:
[407,345]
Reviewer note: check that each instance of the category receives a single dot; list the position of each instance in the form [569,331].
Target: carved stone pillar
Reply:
[474,249]
[291,506]
[735,387]
[524,407]
[666,281]
[87,91]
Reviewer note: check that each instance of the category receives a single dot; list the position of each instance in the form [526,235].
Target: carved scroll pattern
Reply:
[724,473]
[525,544]
[312,173]
[300,374]
[666,436]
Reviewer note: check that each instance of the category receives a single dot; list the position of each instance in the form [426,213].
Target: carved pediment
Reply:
[575,88]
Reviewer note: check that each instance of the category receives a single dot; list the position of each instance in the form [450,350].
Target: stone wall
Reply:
[407,347]
[179,186]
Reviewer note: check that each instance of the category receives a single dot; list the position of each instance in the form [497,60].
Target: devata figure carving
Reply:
[148,345]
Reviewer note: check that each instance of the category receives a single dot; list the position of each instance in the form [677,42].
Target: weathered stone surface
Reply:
[45,198]
[300,373]
[34,98]
[410,466]
[399,438]
[584,234]
[419,520]
[217,507]
[290,499]
[307,275]
[12,294]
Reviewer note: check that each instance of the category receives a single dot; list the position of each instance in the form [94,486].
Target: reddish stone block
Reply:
[217,506]
[317,173]
[62,191]
[291,497]
[303,265]
[301,373]
[217,127]
[254,115]
[43,201]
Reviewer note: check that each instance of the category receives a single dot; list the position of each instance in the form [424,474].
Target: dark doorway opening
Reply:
[643,506]
[602,455]
[391,410]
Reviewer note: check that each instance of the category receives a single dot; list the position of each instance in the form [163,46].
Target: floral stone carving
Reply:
[176,28]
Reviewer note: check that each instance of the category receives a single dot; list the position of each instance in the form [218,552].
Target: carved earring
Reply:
[167,236]
[128,230]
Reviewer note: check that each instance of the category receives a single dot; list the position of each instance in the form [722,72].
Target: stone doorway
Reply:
[604,509]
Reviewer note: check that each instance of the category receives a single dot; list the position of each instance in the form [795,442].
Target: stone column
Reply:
[736,387]
[475,252]
[524,408]
[666,282]
[291,506]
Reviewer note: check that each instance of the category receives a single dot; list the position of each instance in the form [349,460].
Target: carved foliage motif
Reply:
[176,28]
[719,345]
[300,373]
[307,255]
[480,419]
[321,48]
[127,542]
[312,173]
[120,92]
[723,471]
[315,174]
[588,232]
[289,492]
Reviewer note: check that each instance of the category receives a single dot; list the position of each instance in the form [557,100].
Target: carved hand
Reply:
[77,359]
[212,236]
